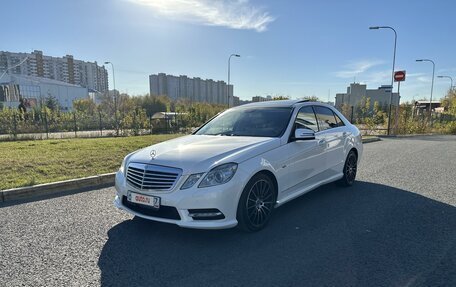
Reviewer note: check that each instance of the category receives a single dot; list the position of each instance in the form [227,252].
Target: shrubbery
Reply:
[132,116]
[408,122]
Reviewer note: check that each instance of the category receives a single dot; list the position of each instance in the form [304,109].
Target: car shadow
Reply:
[365,235]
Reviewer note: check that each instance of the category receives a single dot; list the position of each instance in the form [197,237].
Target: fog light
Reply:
[205,214]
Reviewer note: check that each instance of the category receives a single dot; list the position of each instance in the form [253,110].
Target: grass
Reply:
[42,161]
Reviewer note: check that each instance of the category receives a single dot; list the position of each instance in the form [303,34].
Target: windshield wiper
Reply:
[229,134]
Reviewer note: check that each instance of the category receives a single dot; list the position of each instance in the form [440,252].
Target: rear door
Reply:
[333,134]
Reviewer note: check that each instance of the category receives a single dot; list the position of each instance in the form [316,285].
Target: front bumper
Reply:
[223,197]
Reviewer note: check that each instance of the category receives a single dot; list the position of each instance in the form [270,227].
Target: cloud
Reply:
[424,79]
[355,68]
[235,14]
[414,75]
[378,77]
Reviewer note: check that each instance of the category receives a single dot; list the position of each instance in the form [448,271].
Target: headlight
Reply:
[219,175]
[122,166]
[191,180]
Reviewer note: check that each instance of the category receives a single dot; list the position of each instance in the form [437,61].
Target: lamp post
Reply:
[115,95]
[228,86]
[392,74]
[432,87]
[448,77]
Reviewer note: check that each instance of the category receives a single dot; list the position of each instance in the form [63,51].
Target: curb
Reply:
[406,136]
[57,187]
[371,140]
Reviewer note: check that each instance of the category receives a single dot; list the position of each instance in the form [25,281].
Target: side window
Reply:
[326,118]
[340,123]
[306,119]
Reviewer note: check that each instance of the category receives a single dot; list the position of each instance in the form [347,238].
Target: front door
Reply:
[306,158]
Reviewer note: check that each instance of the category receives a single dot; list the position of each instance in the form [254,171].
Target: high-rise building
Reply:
[356,92]
[193,89]
[65,69]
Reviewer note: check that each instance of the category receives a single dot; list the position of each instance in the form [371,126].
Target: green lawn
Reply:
[32,162]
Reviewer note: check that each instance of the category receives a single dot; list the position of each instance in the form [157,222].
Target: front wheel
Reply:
[350,168]
[256,203]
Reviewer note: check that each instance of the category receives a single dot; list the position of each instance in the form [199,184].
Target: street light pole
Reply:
[448,77]
[115,96]
[392,74]
[228,86]
[432,87]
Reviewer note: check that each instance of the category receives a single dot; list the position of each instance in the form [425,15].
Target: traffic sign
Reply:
[399,76]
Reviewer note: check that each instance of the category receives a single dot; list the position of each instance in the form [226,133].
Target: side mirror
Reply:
[304,134]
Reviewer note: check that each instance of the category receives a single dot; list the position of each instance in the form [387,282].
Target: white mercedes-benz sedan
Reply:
[241,165]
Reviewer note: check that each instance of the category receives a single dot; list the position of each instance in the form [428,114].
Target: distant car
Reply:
[239,166]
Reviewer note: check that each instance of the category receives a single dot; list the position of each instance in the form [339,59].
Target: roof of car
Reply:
[267,104]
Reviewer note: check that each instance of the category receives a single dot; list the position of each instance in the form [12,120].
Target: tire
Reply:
[350,169]
[256,204]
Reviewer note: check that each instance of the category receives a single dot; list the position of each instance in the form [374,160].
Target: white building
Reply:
[261,99]
[35,90]
[355,93]
[193,89]
[65,69]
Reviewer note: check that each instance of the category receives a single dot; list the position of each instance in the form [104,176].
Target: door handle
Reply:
[322,142]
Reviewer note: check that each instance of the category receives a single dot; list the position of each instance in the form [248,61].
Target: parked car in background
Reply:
[240,166]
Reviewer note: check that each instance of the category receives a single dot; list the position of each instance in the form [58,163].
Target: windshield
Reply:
[254,122]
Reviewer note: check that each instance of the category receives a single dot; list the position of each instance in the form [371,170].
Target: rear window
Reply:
[326,118]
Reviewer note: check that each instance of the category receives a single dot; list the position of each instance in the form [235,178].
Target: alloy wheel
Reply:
[350,168]
[260,202]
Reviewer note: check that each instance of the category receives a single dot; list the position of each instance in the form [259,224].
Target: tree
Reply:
[346,110]
[52,103]
[280,97]
[311,98]
[449,102]
[379,115]
[85,106]
[152,104]
[362,110]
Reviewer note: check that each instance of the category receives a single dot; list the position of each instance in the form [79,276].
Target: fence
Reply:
[45,125]
[404,120]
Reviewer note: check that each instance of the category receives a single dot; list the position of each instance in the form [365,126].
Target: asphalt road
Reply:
[395,227]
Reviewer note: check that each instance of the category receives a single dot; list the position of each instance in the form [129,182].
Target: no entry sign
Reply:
[399,76]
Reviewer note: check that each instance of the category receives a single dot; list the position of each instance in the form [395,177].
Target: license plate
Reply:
[148,200]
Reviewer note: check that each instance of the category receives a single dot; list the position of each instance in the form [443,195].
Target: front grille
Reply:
[167,212]
[152,177]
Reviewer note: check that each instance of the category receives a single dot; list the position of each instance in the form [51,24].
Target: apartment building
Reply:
[193,89]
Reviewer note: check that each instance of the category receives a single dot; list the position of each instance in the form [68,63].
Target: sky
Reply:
[290,48]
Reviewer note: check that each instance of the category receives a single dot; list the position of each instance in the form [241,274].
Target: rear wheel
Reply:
[350,169]
[256,203]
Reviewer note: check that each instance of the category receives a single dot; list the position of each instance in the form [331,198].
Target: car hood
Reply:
[199,153]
